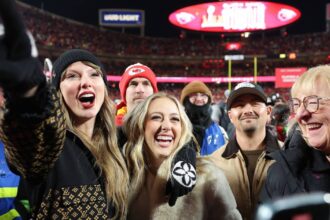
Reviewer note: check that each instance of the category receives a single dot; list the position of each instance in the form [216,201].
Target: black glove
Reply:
[19,71]
[183,173]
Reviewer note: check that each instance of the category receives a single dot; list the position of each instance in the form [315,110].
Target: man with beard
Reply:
[196,98]
[245,159]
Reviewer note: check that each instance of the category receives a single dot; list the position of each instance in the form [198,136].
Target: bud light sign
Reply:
[121,17]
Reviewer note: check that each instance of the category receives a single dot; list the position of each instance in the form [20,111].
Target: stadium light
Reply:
[245,34]
[292,56]
[282,56]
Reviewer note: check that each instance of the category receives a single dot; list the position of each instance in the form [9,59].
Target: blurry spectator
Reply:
[274,99]
[8,189]
[196,98]
[279,119]
[220,115]
[11,206]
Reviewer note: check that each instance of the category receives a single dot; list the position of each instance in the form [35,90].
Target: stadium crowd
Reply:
[168,57]
[44,25]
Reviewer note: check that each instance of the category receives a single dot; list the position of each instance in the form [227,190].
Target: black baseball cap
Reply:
[246,88]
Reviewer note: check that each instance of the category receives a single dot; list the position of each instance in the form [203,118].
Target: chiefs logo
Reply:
[286,14]
[184,17]
[135,70]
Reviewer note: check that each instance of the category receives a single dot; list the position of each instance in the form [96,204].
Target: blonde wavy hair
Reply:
[104,148]
[309,80]
[134,126]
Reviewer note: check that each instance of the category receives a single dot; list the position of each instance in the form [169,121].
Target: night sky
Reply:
[157,12]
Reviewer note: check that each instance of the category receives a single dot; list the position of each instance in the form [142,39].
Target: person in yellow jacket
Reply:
[8,189]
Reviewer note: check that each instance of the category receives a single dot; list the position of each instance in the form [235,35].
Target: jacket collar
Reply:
[75,139]
[271,144]
[79,143]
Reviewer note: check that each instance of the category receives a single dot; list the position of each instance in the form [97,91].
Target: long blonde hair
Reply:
[104,148]
[134,125]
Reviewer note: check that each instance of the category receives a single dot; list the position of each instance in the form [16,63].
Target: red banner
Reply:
[285,77]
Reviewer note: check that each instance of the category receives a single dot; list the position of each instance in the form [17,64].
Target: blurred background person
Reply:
[13,203]
[196,99]
[220,115]
[279,119]
[274,99]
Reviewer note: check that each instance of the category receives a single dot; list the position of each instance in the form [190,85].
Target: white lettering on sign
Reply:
[234,57]
[289,78]
[116,17]
[236,16]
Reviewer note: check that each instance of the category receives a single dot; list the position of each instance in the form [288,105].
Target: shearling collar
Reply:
[233,148]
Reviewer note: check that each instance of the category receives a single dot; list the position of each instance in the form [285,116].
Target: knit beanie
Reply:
[194,87]
[135,71]
[71,56]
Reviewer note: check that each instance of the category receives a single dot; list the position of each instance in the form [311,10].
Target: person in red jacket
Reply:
[137,83]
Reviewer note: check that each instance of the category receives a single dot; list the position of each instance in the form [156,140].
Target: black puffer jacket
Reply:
[298,168]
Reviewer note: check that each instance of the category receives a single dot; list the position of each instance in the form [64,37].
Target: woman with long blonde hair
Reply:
[156,130]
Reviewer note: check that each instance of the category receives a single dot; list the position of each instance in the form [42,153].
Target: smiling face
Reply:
[249,114]
[83,91]
[316,126]
[138,90]
[162,129]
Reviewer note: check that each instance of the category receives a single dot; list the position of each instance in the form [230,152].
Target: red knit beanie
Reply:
[135,71]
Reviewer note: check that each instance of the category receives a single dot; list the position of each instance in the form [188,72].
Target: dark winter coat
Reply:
[59,171]
[298,169]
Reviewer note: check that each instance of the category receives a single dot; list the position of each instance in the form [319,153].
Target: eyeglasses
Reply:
[311,103]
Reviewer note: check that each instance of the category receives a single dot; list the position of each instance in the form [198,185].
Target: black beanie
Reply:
[71,56]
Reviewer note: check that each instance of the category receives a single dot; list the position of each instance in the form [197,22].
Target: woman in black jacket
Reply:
[66,149]
[60,139]
[304,165]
